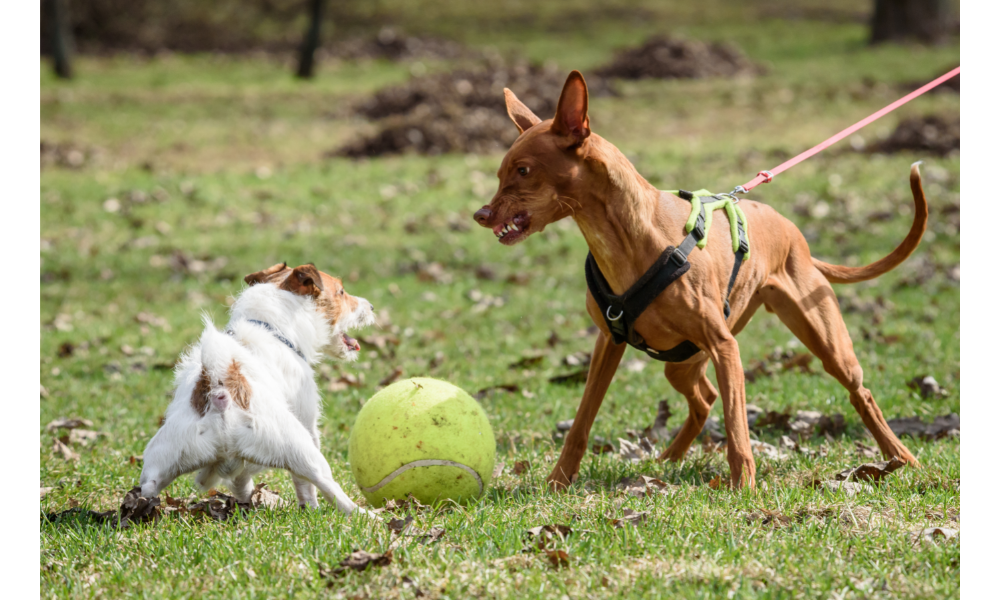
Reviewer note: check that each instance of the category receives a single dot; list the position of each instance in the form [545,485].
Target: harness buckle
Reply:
[678,257]
[607,313]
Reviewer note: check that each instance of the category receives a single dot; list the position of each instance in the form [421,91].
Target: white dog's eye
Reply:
[341,292]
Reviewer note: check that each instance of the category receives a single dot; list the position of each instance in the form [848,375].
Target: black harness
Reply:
[621,312]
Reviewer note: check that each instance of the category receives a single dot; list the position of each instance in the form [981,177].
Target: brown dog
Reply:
[558,168]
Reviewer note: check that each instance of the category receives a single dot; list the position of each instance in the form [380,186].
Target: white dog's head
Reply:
[340,310]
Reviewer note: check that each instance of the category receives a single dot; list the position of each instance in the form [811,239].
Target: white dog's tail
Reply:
[222,381]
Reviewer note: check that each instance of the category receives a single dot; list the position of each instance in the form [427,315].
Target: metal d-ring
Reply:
[607,313]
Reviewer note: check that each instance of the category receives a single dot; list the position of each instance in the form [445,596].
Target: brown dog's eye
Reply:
[523,171]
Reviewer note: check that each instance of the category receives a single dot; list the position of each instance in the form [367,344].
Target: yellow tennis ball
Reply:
[424,437]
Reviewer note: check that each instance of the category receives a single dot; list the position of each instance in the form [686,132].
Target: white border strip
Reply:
[424,463]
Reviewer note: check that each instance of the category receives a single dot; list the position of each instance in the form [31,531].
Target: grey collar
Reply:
[276,334]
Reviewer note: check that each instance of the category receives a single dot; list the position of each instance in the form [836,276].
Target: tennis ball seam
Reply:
[424,463]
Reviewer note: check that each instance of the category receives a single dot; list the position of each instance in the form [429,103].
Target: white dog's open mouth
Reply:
[350,344]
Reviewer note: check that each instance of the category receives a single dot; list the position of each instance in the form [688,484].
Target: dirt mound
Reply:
[391,44]
[459,111]
[666,58]
[952,85]
[934,134]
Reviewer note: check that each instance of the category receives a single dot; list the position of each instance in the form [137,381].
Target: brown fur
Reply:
[238,386]
[559,168]
[199,397]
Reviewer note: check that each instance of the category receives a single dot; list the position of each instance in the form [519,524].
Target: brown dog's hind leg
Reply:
[603,365]
[691,382]
[807,305]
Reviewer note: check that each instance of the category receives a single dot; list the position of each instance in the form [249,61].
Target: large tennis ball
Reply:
[424,437]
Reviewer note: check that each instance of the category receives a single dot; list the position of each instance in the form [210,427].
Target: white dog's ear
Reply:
[263,276]
[304,281]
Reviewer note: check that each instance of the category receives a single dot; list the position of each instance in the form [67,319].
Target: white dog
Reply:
[246,398]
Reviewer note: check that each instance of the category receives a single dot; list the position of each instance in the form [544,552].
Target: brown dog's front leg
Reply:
[603,365]
[729,370]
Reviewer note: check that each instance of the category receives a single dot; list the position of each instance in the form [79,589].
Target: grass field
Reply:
[216,168]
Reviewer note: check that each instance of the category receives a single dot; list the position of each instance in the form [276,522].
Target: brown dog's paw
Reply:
[558,481]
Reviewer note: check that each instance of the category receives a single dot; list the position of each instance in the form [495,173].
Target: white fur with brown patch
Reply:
[262,403]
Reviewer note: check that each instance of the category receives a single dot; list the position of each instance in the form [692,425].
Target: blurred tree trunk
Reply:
[898,20]
[62,37]
[309,45]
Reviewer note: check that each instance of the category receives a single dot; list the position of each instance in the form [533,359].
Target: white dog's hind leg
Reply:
[283,442]
[242,485]
[208,477]
[305,491]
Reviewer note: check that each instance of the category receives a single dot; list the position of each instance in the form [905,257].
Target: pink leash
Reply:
[767,176]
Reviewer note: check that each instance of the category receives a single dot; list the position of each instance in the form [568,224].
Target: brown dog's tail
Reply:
[839,274]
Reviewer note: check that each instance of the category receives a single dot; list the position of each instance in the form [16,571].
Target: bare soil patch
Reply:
[459,111]
[669,58]
[934,134]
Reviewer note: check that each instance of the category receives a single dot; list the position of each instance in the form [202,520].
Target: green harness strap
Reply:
[733,211]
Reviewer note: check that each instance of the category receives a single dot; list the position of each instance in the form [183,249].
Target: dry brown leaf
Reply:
[645,487]
[848,488]
[359,560]
[870,472]
[521,466]
[866,451]
[65,451]
[558,558]
[636,452]
[263,497]
[629,517]
[391,377]
[933,534]
[68,423]
[604,448]
[927,386]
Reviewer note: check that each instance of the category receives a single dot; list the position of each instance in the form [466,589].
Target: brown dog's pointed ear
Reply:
[262,276]
[304,281]
[571,118]
[519,113]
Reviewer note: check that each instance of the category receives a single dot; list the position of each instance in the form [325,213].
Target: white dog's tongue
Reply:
[351,343]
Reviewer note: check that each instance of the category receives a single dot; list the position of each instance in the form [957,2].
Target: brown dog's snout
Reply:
[483,216]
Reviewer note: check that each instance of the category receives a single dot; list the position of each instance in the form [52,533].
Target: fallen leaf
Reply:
[397,526]
[358,560]
[527,361]
[391,377]
[870,471]
[867,451]
[494,389]
[927,386]
[657,432]
[646,487]
[65,451]
[521,466]
[498,469]
[574,378]
[429,537]
[543,534]
[44,490]
[83,436]
[68,423]
[933,534]
[558,558]
[765,449]
[44,392]
[944,426]
[848,488]
[603,448]
[768,517]
[718,482]
[263,497]
[640,451]
[798,361]
[135,460]
[629,517]
[577,359]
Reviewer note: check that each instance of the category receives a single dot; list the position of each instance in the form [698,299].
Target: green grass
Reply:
[191,134]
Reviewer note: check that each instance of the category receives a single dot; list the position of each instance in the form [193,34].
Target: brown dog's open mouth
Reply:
[350,343]
[514,230]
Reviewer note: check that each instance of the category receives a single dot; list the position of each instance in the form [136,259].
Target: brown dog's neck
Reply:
[621,215]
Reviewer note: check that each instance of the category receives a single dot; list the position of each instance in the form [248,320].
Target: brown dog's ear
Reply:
[304,281]
[519,113]
[262,276]
[571,118]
